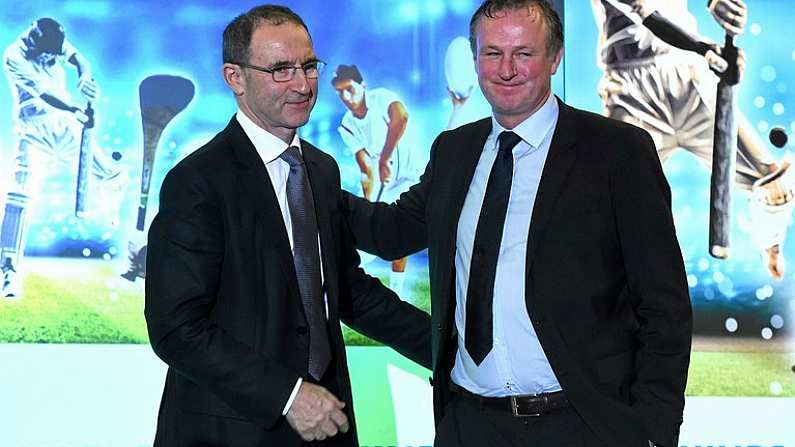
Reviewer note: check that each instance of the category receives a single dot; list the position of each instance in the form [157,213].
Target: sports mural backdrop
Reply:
[742,294]
[104,97]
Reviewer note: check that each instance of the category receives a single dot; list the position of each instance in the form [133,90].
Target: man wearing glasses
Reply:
[251,267]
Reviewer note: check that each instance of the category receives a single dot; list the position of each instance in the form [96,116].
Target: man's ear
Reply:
[233,76]
[556,60]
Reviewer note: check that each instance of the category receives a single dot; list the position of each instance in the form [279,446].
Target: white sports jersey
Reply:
[29,78]
[624,40]
[369,133]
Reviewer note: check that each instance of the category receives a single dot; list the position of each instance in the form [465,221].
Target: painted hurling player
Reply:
[671,93]
[372,129]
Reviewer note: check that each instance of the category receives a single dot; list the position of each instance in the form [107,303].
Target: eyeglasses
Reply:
[285,73]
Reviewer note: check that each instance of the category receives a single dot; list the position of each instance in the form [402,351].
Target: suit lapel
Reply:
[559,162]
[255,183]
[465,154]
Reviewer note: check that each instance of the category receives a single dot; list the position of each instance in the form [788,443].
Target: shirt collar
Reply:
[268,146]
[535,127]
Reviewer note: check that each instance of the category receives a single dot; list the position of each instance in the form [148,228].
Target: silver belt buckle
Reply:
[515,409]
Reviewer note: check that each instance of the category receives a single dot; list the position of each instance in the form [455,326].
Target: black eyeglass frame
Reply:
[286,73]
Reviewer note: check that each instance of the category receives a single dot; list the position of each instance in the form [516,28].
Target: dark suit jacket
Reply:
[605,283]
[222,303]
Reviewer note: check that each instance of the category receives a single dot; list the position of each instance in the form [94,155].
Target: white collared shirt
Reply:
[270,147]
[516,363]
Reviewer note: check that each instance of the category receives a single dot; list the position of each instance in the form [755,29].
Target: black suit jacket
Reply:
[605,283]
[222,303]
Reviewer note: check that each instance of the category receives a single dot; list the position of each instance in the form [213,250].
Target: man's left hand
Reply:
[316,414]
[731,15]
[718,64]
[81,116]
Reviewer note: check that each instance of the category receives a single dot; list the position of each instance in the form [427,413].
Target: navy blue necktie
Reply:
[306,256]
[488,235]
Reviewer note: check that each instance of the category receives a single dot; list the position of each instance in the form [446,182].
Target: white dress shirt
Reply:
[516,363]
[270,148]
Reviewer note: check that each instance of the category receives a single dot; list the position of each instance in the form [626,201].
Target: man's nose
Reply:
[507,68]
[300,82]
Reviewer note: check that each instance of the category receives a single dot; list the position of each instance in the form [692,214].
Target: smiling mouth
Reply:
[300,102]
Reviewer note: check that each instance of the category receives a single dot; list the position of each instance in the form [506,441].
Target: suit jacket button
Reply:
[302,330]
[439,327]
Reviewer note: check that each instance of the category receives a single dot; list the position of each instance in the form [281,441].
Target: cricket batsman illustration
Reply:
[661,75]
[50,128]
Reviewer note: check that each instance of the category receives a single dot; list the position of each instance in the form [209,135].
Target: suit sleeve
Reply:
[371,308]
[393,231]
[184,262]
[657,284]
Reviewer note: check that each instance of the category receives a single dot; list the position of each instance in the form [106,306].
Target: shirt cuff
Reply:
[292,395]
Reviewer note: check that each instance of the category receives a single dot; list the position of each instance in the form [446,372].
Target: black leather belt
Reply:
[532,405]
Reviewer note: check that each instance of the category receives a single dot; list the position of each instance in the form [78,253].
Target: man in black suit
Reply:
[559,302]
[251,265]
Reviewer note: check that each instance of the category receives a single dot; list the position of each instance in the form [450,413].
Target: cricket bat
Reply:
[85,160]
[162,97]
[724,155]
